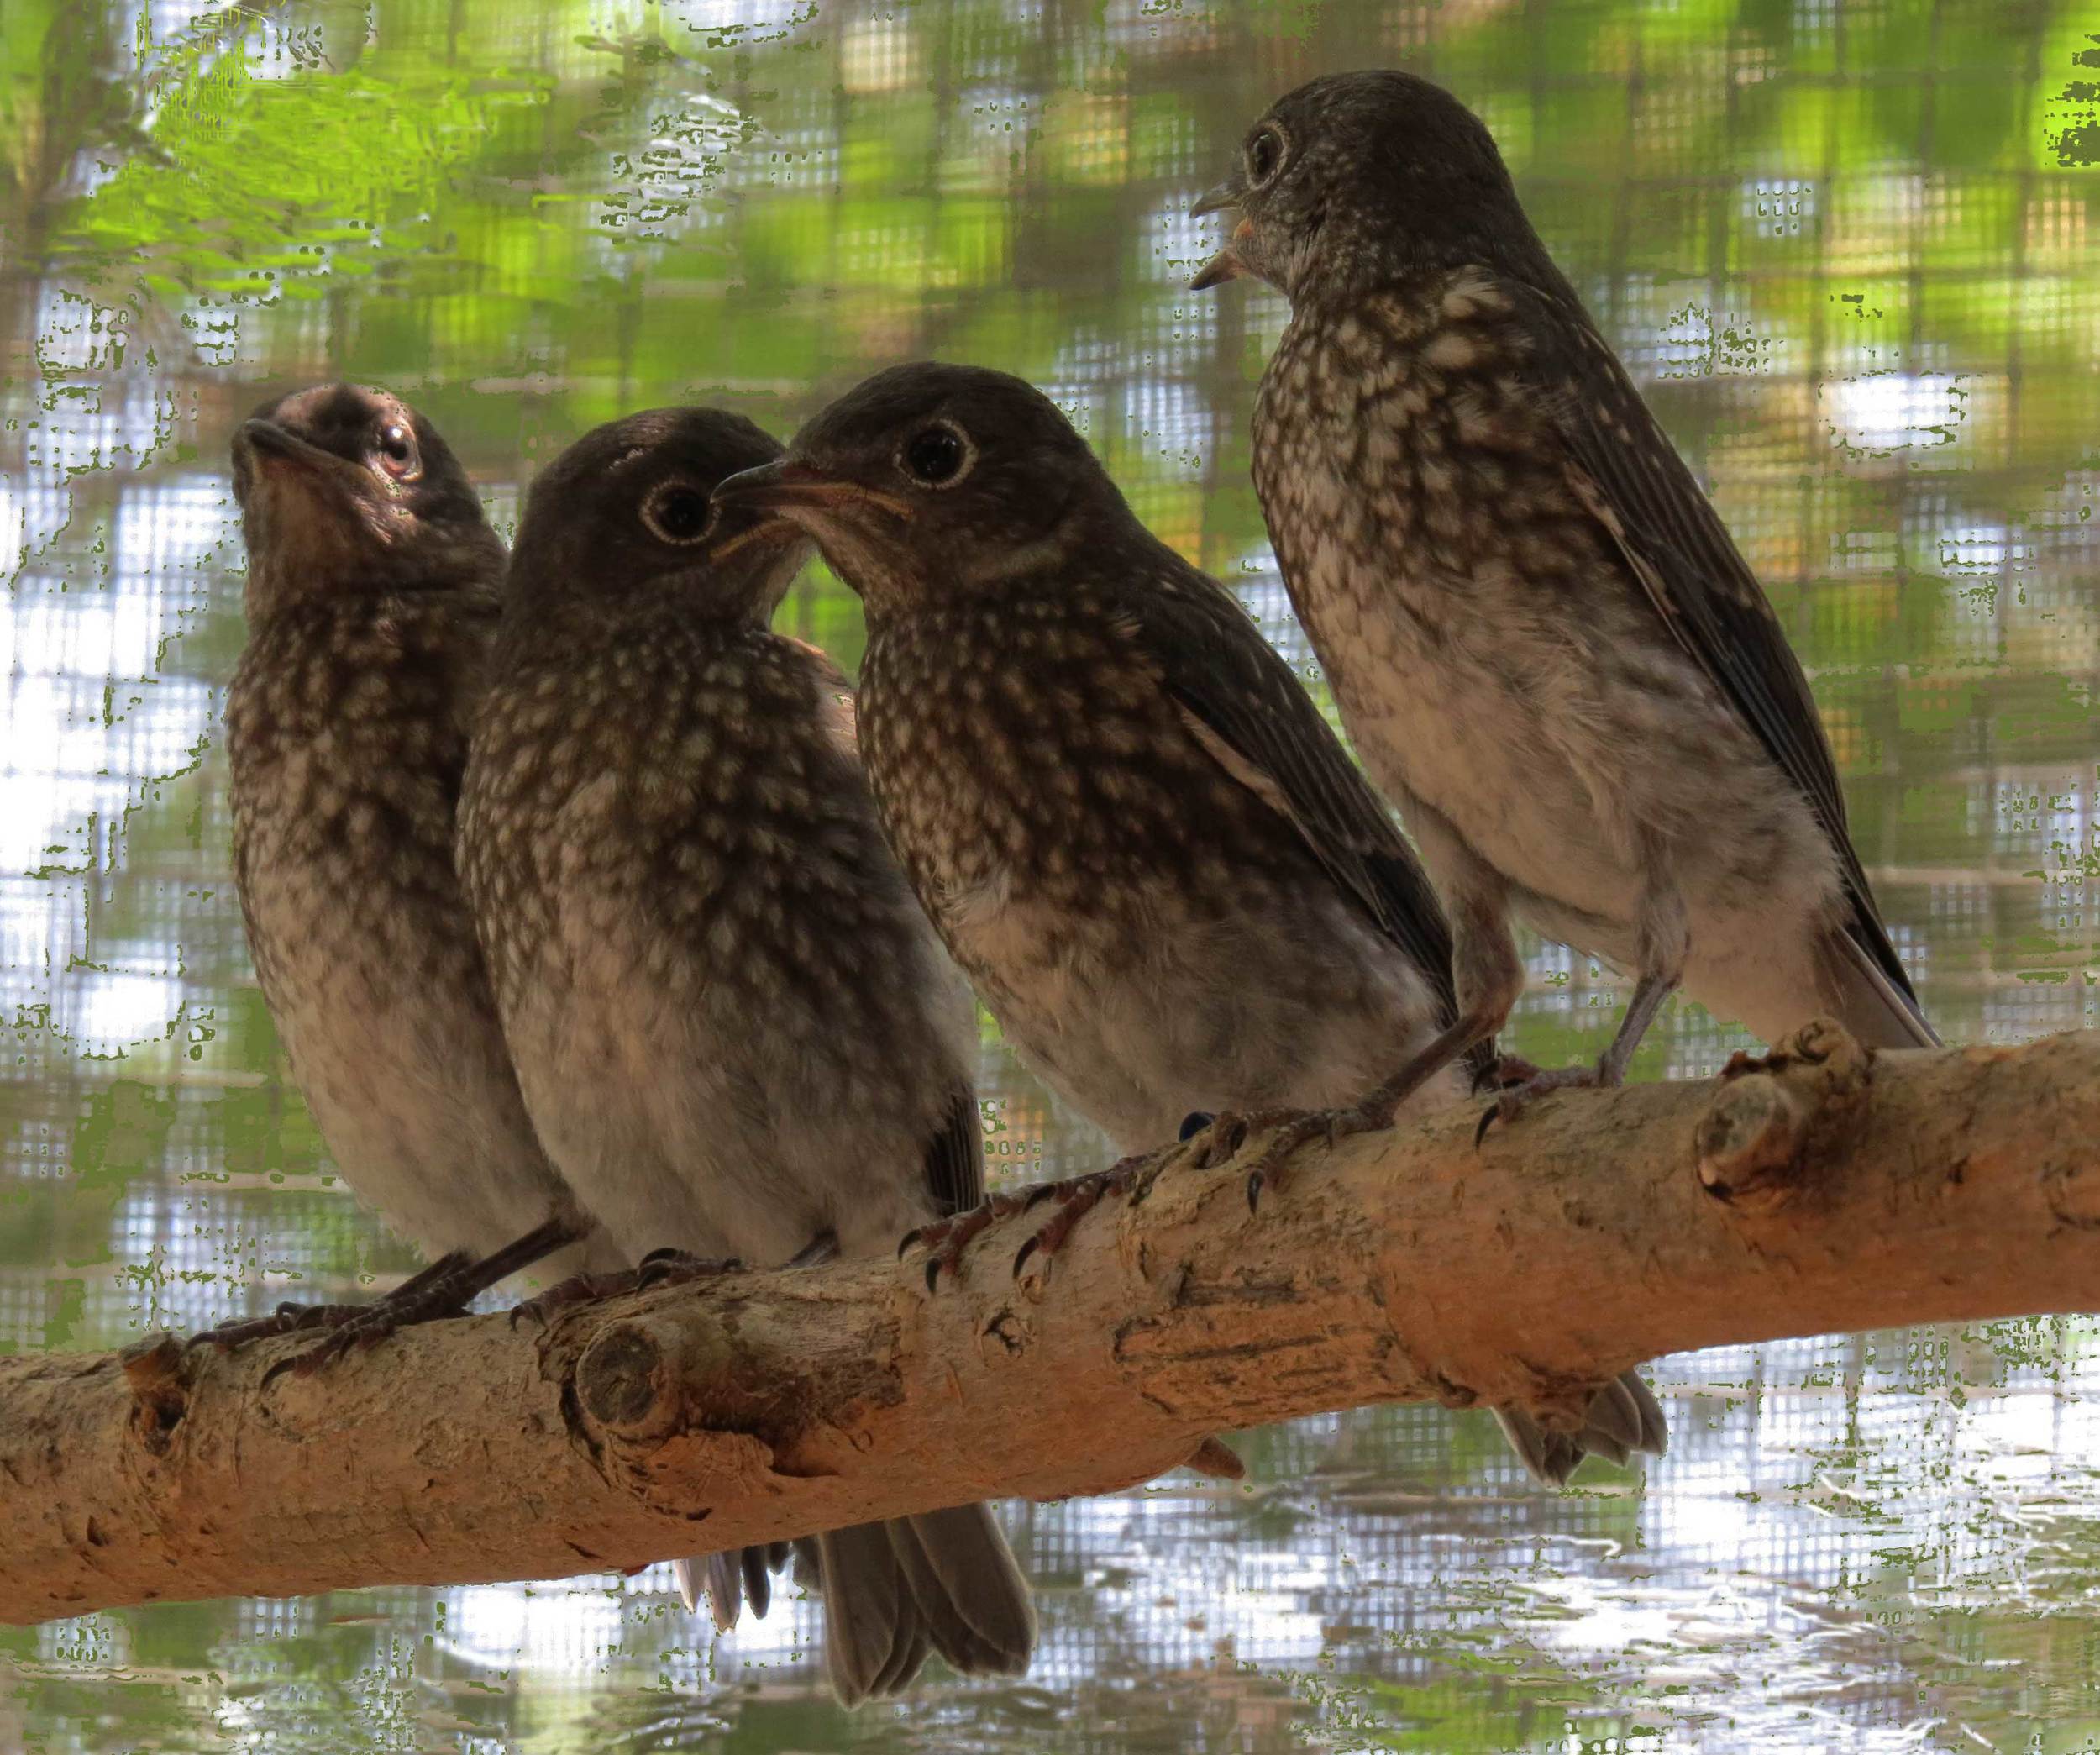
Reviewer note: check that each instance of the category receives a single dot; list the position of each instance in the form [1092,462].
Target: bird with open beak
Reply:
[735,1029]
[1553,659]
[1129,821]
[373,582]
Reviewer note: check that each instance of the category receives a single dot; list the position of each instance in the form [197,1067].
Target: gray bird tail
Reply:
[944,1582]
[1622,1418]
[727,1581]
[1877,1011]
[893,1593]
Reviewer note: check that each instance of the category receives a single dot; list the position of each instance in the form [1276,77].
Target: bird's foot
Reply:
[1519,1095]
[946,1239]
[1508,1072]
[680,1267]
[577,1289]
[1076,1196]
[444,1289]
[659,1267]
[288,1318]
[1287,1129]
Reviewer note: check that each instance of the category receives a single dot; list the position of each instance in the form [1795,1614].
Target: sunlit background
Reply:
[1846,250]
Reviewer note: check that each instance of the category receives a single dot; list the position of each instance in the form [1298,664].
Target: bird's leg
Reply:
[1609,1071]
[440,1295]
[291,1318]
[1372,1113]
[444,1289]
[1664,939]
[1489,977]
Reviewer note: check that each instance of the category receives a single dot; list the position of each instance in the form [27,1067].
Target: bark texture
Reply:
[1824,1188]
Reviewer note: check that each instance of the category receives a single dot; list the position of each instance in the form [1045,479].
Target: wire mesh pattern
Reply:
[1846,250]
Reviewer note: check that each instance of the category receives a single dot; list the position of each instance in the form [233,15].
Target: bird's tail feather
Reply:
[1623,1417]
[894,1592]
[1869,1004]
[726,1581]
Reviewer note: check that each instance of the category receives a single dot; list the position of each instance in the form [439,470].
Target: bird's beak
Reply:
[269,443]
[293,469]
[1226,265]
[787,488]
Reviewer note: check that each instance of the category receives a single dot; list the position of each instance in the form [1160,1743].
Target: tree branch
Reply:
[1825,1189]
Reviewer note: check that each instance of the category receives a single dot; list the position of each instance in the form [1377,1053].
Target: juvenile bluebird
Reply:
[1130,823]
[373,582]
[1551,656]
[735,1029]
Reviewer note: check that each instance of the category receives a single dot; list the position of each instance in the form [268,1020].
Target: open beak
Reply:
[783,488]
[1226,265]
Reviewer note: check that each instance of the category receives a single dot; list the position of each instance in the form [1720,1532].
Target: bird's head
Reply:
[627,515]
[346,489]
[1357,178]
[930,480]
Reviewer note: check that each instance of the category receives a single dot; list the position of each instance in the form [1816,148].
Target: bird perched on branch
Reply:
[735,1029]
[1552,657]
[1129,821]
[371,600]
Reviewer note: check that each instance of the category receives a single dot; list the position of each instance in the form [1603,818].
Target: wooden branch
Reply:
[1825,1189]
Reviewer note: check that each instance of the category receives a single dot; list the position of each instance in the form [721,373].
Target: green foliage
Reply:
[258,188]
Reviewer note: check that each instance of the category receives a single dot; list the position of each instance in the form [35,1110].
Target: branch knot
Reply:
[1777,1117]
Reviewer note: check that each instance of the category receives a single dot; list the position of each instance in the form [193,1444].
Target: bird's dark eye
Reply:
[1264,155]
[396,448]
[678,513]
[938,454]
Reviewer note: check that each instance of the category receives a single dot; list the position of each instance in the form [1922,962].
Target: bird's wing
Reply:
[1246,707]
[955,1159]
[1622,466]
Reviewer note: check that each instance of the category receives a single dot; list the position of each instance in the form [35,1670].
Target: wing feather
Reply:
[1249,710]
[1621,466]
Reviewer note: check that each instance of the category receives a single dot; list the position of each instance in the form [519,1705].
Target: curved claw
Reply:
[308,1362]
[1254,1181]
[910,1238]
[1021,1254]
[1038,1195]
[1226,1141]
[933,1273]
[1487,1121]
